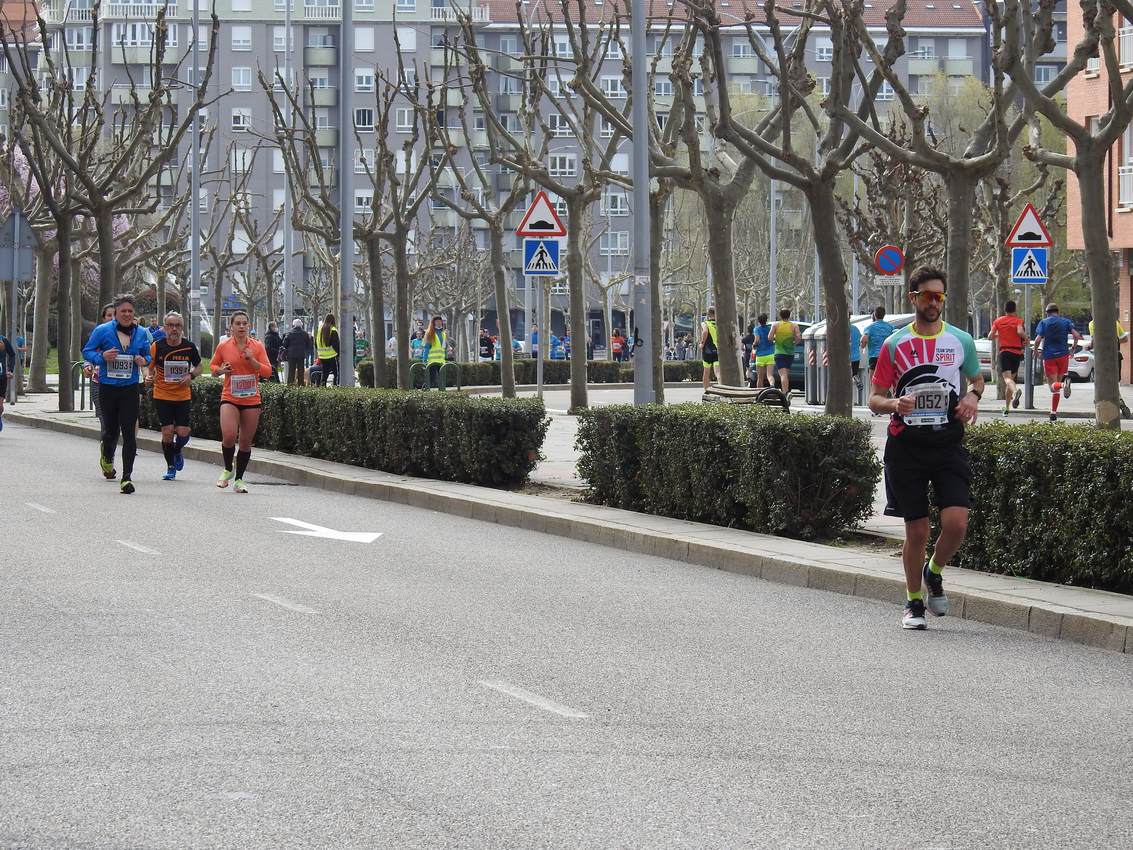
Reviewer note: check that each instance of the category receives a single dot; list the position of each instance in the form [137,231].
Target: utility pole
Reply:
[346,194]
[193,317]
[288,235]
[644,353]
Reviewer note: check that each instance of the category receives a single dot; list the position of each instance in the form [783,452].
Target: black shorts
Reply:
[173,412]
[1009,361]
[784,361]
[910,468]
[4,384]
[256,406]
[873,363]
[709,359]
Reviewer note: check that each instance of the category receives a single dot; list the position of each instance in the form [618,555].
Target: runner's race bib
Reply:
[931,405]
[245,386]
[120,368]
[176,371]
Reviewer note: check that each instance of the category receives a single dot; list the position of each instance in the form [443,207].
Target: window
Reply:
[321,119]
[958,48]
[509,85]
[242,37]
[407,39]
[364,119]
[885,92]
[823,50]
[279,39]
[279,5]
[558,124]
[320,37]
[662,119]
[78,38]
[925,49]
[364,39]
[615,203]
[401,163]
[277,161]
[507,45]
[613,88]
[409,78]
[403,119]
[614,243]
[241,5]
[277,198]
[3,99]
[562,165]
[1044,74]
[319,78]
[619,163]
[823,86]
[241,119]
[663,88]
[741,49]
[363,200]
[955,84]
[562,46]
[363,159]
[363,5]
[607,130]
[139,35]
[241,159]
[407,5]
[554,86]
[662,46]
[363,79]
[242,78]
[614,49]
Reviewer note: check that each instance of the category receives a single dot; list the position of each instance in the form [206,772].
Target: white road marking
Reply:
[285,603]
[312,530]
[137,547]
[41,508]
[534,699]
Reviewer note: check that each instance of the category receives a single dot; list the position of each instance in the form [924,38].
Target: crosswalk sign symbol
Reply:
[1029,265]
[540,257]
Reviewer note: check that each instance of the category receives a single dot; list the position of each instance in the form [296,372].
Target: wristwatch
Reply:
[979,396]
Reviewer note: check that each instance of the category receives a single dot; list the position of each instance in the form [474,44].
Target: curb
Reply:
[730,550]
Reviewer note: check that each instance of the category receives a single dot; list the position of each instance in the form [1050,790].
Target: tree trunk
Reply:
[719,217]
[503,309]
[658,201]
[839,395]
[107,268]
[961,200]
[75,274]
[162,294]
[67,306]
[608,322]
[377,308]
[1099,263]
[576,209]
[401,319]
[40,344]
[217,306]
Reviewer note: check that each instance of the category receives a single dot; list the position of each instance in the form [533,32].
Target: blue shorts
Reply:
[784,361]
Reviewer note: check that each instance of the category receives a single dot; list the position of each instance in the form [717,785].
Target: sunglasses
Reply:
[931,297]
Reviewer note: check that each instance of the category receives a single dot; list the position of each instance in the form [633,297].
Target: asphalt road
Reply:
[460,684]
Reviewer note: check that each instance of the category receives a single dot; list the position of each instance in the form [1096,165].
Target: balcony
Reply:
[54,14]
[455,136]
[743,64]
[320,57]
[326,137]
[324,97]
[923,67]
[959,67]
[1125,186]
[479,139]
[446,14]
[508,102]
[132,11]
[444,217]
[456,96]
[319,12]
[1125,46]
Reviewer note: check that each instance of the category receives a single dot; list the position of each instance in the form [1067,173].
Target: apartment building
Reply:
[945,38]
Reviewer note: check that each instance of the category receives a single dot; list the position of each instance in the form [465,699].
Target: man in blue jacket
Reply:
[119,348]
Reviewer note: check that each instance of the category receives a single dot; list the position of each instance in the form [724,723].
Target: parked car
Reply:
[984,349]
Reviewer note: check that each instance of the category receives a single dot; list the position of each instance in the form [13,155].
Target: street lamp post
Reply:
[642,285]
[288,235]
[192,320]
[346,194]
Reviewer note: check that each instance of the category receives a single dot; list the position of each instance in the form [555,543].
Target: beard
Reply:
[928,314]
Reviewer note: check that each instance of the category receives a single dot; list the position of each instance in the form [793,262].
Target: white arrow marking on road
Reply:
[534,699]
[311,530]
[285,603]
[40,508]
[137,547]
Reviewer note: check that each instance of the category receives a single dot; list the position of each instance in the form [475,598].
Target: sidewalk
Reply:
[1091,617]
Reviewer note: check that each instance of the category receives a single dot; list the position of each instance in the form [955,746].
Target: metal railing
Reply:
[313,11]
[479,14]
[1125,46]
[1125,186]
[141,11]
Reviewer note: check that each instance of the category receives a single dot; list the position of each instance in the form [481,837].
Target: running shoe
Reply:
[170,474]
[1015,401]
[913,618]
[225,477]
[108,470]
[1006,410]
[1053,418]
[126,487]
[238,486]
[1125,410]
[178,461]
[937,602]
[1066,387]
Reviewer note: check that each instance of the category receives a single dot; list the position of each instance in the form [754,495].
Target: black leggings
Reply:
[120,416]
[330,367]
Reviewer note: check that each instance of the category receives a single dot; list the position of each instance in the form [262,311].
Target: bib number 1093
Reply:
[930,406]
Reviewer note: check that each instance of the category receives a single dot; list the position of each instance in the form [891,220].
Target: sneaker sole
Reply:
[944,613]
[914,627]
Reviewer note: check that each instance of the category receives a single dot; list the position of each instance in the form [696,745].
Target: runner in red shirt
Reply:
[242,361]
[1011,332]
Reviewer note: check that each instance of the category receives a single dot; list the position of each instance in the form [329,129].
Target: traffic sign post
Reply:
[889,260]
[1030,245]
[541,228]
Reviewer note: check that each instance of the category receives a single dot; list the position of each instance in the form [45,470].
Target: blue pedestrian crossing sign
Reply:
[1029,265]
[540,257]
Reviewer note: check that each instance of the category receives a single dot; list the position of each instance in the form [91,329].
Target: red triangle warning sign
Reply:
[1029,231]
[541,219]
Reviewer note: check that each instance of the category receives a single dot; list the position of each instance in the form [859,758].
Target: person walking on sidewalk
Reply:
[120,348]
[709,352]
[174,363]
[326,349]
[297,348]
[242,361]
[1052,334]
[785,334]
[273,342]
[919,382]
[1011,331]
[7,367]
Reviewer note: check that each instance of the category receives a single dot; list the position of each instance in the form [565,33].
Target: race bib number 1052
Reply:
[930,406]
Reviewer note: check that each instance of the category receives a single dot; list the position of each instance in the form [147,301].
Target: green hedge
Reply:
[1052,504]
[554,372]
[760,469]
[489,441]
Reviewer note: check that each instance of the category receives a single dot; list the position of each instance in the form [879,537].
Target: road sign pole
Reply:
[644,344]
[542,336]
[14,305]
[1028,357]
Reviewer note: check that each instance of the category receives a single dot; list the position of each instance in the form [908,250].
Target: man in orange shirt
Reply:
[175,362]
[1011,331]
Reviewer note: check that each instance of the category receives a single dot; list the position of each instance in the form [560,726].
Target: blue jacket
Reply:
[105,337]
[7,356]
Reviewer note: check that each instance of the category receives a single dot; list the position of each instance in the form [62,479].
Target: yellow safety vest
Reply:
[437,349]
[322,346]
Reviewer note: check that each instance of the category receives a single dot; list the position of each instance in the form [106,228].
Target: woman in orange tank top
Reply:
[242,361]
